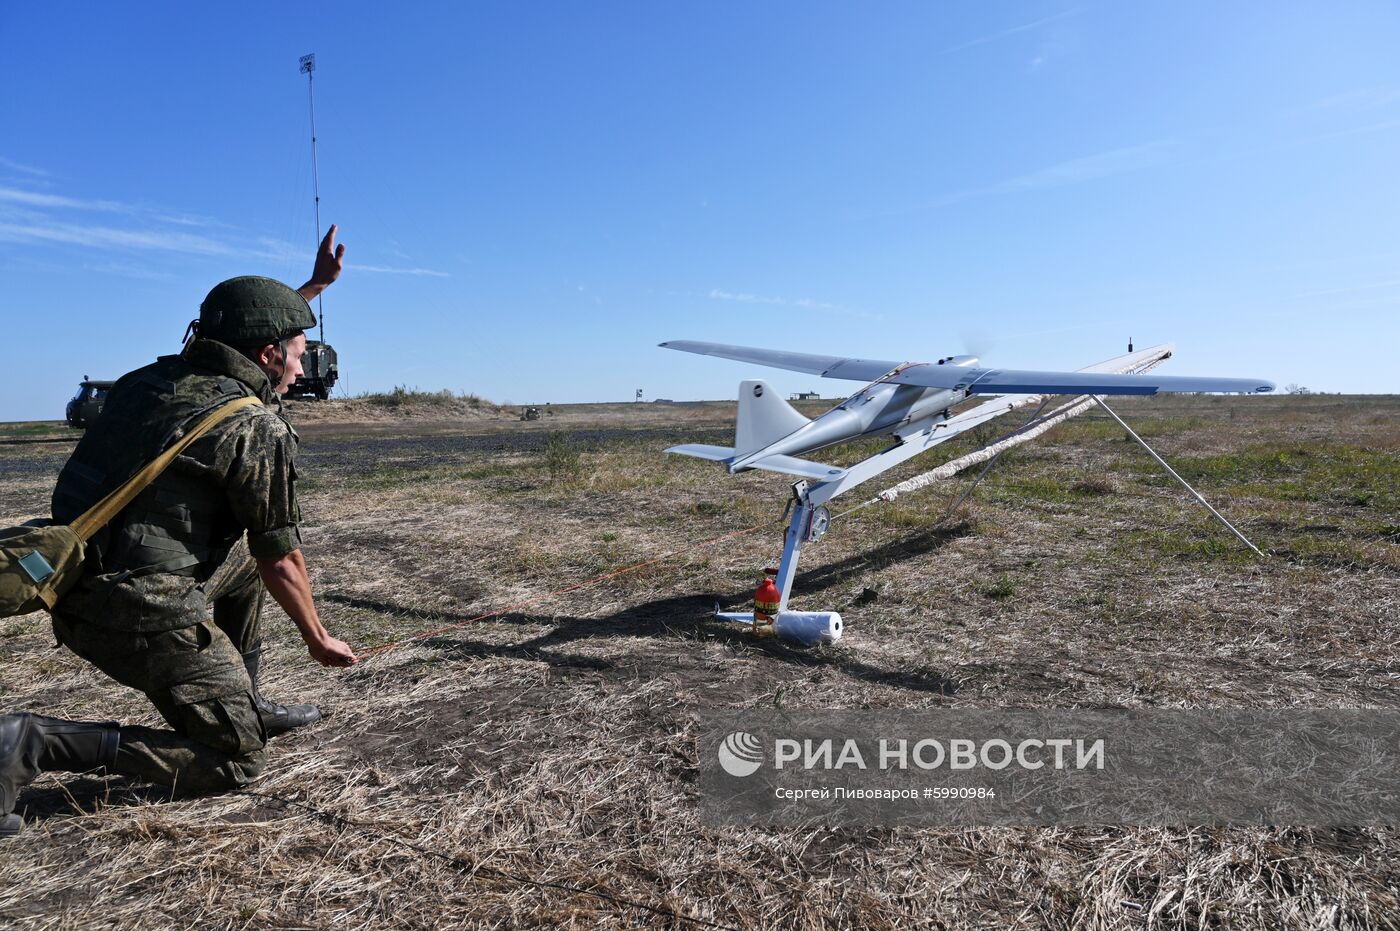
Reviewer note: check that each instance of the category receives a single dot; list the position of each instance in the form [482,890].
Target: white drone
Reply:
[910,402]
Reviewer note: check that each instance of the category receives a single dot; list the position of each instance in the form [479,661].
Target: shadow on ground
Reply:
[687,618]
[85,795]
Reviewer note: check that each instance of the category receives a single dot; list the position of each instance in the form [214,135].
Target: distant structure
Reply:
[805,396]
[87,403]
[321,364]
[307,65]
[639,395]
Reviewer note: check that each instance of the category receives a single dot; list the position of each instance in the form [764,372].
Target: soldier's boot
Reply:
[276,719]
[31,744]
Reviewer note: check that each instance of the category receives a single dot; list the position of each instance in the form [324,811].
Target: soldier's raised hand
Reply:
[330,261]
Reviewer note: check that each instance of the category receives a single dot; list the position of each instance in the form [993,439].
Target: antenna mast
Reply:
[308,66]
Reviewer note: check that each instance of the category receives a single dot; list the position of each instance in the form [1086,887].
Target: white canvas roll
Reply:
[808,628]
[801,628]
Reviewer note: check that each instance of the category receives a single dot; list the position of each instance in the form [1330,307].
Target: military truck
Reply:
[320,369]
[87,403]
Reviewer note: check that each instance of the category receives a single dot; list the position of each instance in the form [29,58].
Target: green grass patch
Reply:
[406,398]
[384,477]
[1093,486]
[1084,432]
[390,476]
[489,471]
[563,458]
[1388,532]
[39,428]
[1341,552]
[1279,491]
[998,589]
[909,517]
[1040,487]
[1341,475]
[16,629]
[1186,544]
[1092,430]
[708,508]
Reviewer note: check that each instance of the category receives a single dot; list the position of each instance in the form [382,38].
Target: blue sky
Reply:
[534,195]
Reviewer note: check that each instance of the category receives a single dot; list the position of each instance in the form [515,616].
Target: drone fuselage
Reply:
[878,409]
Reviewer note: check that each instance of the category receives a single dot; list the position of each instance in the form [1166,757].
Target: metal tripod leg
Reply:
[797,534]
[802,628]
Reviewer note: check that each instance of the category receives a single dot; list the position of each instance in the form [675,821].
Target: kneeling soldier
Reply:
[219,525]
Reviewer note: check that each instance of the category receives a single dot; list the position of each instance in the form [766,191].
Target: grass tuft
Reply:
[563,458]
[998,589]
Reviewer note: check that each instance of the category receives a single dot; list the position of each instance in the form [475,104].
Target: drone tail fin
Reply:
[764,418]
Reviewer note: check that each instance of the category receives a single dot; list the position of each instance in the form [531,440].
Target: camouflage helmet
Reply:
[249,309]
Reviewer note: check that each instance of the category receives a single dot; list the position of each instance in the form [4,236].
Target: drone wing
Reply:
[826,366]
[1014,381]
[974,380]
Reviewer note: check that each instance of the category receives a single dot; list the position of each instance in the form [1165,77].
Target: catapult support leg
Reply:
[792,549]
[1172,472]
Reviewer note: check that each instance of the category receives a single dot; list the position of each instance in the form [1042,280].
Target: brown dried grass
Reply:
[538,770]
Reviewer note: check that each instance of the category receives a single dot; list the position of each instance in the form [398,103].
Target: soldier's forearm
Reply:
[290,586]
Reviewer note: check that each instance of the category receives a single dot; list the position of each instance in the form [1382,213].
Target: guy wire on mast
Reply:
[308,66]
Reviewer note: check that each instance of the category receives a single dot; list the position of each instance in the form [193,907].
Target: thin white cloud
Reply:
[113,238]
[1076,171]
[129,270]
[42,201]
[1025,27]
[1361,98]
[743,297]
[279,250]
[1093,167]
[55,201]
[1350,289]
[1389,301]
[22,168]
[33,217]
[798,303]
[185,219]
[1059,44]
[393,270]
[1382,126]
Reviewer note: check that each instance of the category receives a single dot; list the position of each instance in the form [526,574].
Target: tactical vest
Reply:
[170,526]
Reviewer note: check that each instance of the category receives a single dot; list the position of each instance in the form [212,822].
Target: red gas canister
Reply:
[765,603]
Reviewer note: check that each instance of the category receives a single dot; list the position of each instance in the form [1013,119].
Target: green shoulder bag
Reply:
[40,563]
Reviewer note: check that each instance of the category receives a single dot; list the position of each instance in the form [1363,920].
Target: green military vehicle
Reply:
[87,403]
[320,369]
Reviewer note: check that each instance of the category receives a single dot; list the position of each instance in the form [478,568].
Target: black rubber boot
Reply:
[31,744]
[276,719]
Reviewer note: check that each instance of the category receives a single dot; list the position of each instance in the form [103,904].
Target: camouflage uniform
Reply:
[142,613]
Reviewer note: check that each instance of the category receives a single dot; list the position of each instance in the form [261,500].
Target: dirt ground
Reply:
[538,768]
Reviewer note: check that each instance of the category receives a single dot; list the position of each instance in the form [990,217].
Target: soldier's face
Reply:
[283,372]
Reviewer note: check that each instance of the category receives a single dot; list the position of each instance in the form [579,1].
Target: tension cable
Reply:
[1185,484]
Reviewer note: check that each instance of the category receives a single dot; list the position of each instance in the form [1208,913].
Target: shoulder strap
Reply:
[96,517]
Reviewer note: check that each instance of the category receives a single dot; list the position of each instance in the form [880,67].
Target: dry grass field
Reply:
[538,768]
